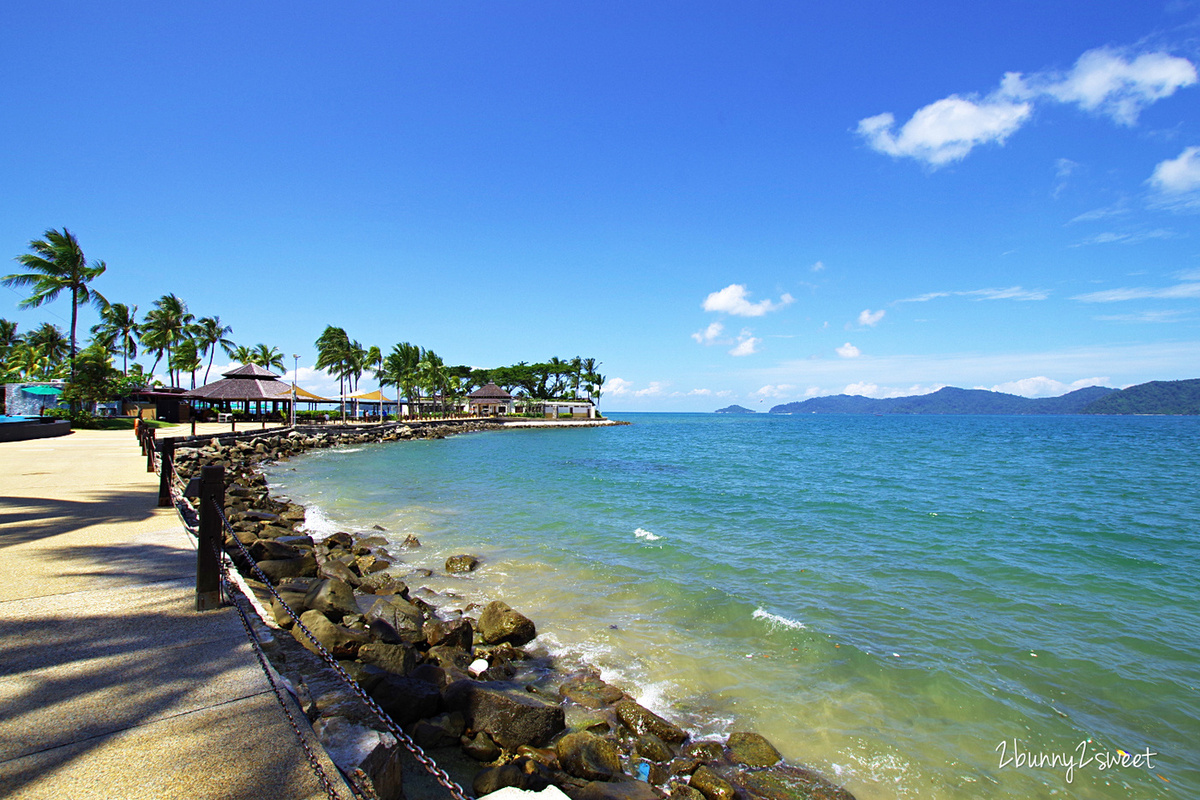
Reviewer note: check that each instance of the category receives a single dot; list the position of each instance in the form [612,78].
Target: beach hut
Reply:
[490,400]
[243,386]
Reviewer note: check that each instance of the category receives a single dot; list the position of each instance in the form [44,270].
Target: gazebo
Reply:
[375,398]
[490,400]
[245,385]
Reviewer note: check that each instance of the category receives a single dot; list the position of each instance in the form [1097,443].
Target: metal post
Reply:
[150,451]
[208,579]
[166,470]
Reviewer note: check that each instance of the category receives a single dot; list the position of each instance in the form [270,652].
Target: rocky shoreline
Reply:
[460,681]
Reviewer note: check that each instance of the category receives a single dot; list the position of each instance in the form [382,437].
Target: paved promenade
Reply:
[111,685]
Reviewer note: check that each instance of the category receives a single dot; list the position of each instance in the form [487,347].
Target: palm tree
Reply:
[57,264]
[118,331]
[186,358]
[50,341]
[242,354]
[401,367]
[333,352]
[210,334]
[598,385]
[431,373]
[166,325]
[373,360]
[267,357]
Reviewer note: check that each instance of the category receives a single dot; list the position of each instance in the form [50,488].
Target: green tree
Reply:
[333,355]
[242,354]
[49,339]
[118,331]
[401,366]
[165,326]
[186,358]
[267,357]
[57,264]
[210,334]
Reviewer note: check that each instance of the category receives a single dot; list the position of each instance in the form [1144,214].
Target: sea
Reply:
[914,606]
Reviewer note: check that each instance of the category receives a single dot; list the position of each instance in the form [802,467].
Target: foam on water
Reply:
[776,621]
[647,535]
[318,523]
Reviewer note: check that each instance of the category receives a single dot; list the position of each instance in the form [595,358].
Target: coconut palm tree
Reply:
[267,357]
[50,341]
[333,354]
[210,334]
[401,366]
[186,358]
[373,360]
[431,373]
[57,264]
[118,331]
[165,326]
[242,354]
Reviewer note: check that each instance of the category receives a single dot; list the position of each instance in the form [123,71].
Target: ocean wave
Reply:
[776,621]
[641,533]
[317,523]
[346,450]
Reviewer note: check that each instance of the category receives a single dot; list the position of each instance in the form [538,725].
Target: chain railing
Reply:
[206,521]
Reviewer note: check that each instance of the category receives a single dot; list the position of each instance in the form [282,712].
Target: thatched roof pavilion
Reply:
[490,399]
[249,383]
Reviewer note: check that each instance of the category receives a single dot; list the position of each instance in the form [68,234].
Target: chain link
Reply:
[430,766]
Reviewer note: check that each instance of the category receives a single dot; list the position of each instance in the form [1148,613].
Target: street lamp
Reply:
[295,373]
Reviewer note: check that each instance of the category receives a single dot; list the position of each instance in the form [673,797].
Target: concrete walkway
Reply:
[111,685]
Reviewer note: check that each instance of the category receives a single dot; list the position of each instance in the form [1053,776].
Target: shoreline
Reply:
[542,672]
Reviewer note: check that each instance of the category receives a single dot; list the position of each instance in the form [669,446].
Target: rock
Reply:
[339,571]
[397,658]
[440,731]
[512,717]
[481,747]
[411,541]
[457,633]
[496,778]
[392,609]
[447,656]
[274,532]
[332,597]
[278,569]
[337,639]
[618,790]
[712,785]
[752,750]
[681,791]
[785,782]
[341,539]
[588,756]
[264,549]
[704,751]
[587,689]
[353,747]
[383,584]
[406,700]
[640,719]
[652,748]
[462,563]
[499,623]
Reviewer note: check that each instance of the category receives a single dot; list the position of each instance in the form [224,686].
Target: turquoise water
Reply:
[888,598]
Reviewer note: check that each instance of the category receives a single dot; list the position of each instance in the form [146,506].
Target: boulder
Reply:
[681,791]
[703,751]
[352,746]
[397,658]
[456,633]
[392,609]
[712,785]
[587,689]
[514,774]
[461,563]
[510,715]
[499,623]
[449,657]
[442,730]
[588,756]
[652,748]
[339,571]
[753,750]
[481,747]
[383,584]
[337,639]
[406,700]
[784,782]
[640,720]
[278,569]
[332,597]
[264,549]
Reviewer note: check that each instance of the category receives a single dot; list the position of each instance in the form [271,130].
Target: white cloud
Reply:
[1011,293]
[1176,292]
[746,345]
[615,387]
[869,319]
[1109,237]
[818,267]
[946,130]
[1104,81]
[1097,214]
[780,390]
[848,351]
[1178,176]
[1145,317]
[1042,386]
[732,300]
[655,388]
[710,334]
[868,389]
[700,393]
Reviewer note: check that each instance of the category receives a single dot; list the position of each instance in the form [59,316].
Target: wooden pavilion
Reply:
[490,400]
[241,387]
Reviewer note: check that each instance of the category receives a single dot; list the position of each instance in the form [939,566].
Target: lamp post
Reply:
[295,374]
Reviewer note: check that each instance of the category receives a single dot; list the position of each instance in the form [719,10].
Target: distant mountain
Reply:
[1156,397]
[734,409]
[950,401]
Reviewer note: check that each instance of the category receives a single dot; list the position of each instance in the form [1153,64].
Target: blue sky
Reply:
[722,202]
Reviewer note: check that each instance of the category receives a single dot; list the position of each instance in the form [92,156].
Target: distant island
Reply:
[735,409]
[1156,397]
